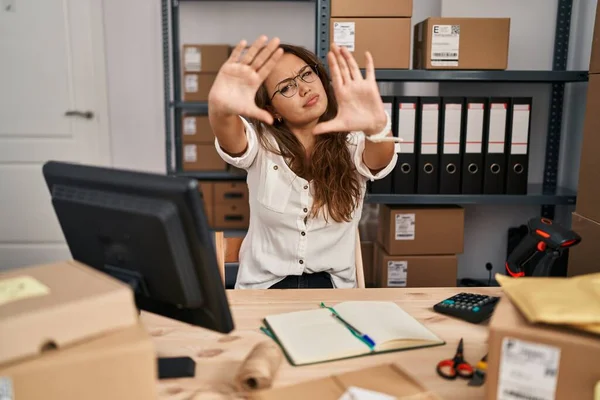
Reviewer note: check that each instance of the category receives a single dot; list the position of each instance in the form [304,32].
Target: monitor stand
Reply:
[176,367]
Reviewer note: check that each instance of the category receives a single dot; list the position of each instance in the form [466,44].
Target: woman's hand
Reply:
[360,107]
[240,77]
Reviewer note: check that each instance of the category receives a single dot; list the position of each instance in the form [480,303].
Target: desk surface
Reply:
[218,356]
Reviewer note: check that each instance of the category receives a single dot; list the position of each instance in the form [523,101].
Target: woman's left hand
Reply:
[360,107]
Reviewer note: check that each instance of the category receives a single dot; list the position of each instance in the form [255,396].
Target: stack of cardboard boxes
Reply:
[584,258]
[200,66]
[226,204]
[417,246]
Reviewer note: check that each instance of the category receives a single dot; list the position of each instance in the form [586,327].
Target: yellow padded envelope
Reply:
[573,302]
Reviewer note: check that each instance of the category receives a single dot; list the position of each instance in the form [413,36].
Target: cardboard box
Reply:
[595,55]
[207,190]
[539,361]
[196,86]
[388,379]
[202,157]
[588,190]
[231,193]
[197,129]
[70,332]
[415,271]
[421,230]
[372,8]
[367,250]
[461,43]
[119,366]
[204,57]
[56,305]
[584,258]
[388,40]
[232,216]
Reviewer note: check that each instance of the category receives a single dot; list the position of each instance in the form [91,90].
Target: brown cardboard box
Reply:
[414,271]
[388,379]
[595,56]
[372,8]
[56,305]
[120,365]
[461,43]
[232,215]
[204,57]
[588,190]
[207,190]
[196,86]
[367,250]
[421,230]
[202,157]
[539,361]
[584,257]
[388,40]
[197,129]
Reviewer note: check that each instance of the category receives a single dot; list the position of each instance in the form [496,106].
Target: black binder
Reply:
[384,186]
[428,138]
[451,123]
[494,177]
[518,146]
[405,172]
[472,144]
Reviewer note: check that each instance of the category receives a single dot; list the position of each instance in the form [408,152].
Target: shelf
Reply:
[526,76]
[198,107]
[535,196]
[213,175]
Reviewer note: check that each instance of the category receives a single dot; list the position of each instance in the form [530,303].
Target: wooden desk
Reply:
[218,356]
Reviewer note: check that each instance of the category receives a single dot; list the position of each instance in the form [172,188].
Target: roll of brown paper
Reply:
[260,367]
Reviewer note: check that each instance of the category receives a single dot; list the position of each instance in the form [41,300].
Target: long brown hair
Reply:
[330,166]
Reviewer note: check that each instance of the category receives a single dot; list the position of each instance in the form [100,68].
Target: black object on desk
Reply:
[470,307]
[149,231]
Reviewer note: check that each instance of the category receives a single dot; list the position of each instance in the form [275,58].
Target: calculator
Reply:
[470,307]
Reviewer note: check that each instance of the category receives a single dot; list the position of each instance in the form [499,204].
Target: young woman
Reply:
[309,145]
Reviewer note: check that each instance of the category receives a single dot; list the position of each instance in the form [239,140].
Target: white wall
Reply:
[133,43]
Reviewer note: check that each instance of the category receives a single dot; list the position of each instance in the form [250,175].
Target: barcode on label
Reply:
[397,283]
[446,54]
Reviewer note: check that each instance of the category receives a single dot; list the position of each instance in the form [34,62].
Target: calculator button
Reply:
[475,309]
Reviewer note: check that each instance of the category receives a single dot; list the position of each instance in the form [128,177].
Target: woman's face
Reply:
[296,91]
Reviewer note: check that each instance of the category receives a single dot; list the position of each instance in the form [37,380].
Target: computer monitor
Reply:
[147,230]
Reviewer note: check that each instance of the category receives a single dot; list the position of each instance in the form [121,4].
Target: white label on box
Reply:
[357,393]
[397,273]
[190,153]
[520,129]
[497,134]
[191,83]
[407,113]
[189,126]
[405,227]
[6,388]
[527,370]
[192,59]
[429,129]
[474,127]
[445,40]
[344,34]
[452,124]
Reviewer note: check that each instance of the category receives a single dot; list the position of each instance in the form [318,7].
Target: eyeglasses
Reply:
[289,87]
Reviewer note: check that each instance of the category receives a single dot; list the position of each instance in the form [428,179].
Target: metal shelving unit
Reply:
[547,194]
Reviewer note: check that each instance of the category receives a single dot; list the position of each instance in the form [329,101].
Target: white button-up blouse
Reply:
[281,241]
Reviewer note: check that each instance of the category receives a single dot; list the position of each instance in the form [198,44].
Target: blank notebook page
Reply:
[384,321]
[314,335]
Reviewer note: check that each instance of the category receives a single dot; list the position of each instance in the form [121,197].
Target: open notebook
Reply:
[314,336]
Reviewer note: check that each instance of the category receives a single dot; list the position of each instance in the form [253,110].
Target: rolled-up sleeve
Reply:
[358,142]
[245,160]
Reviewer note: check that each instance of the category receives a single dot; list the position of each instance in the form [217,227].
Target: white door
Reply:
[51,62]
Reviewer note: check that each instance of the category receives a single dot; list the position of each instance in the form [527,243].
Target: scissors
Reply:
[456,366]
[479,374]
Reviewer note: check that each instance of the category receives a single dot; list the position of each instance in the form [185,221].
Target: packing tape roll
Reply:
[260,367]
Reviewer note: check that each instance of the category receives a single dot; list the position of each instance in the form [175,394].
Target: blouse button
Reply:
[301,261]
[305,187]
[305,210]
[275,167]
[303,233]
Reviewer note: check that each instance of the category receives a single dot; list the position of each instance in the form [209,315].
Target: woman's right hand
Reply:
[240,77]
